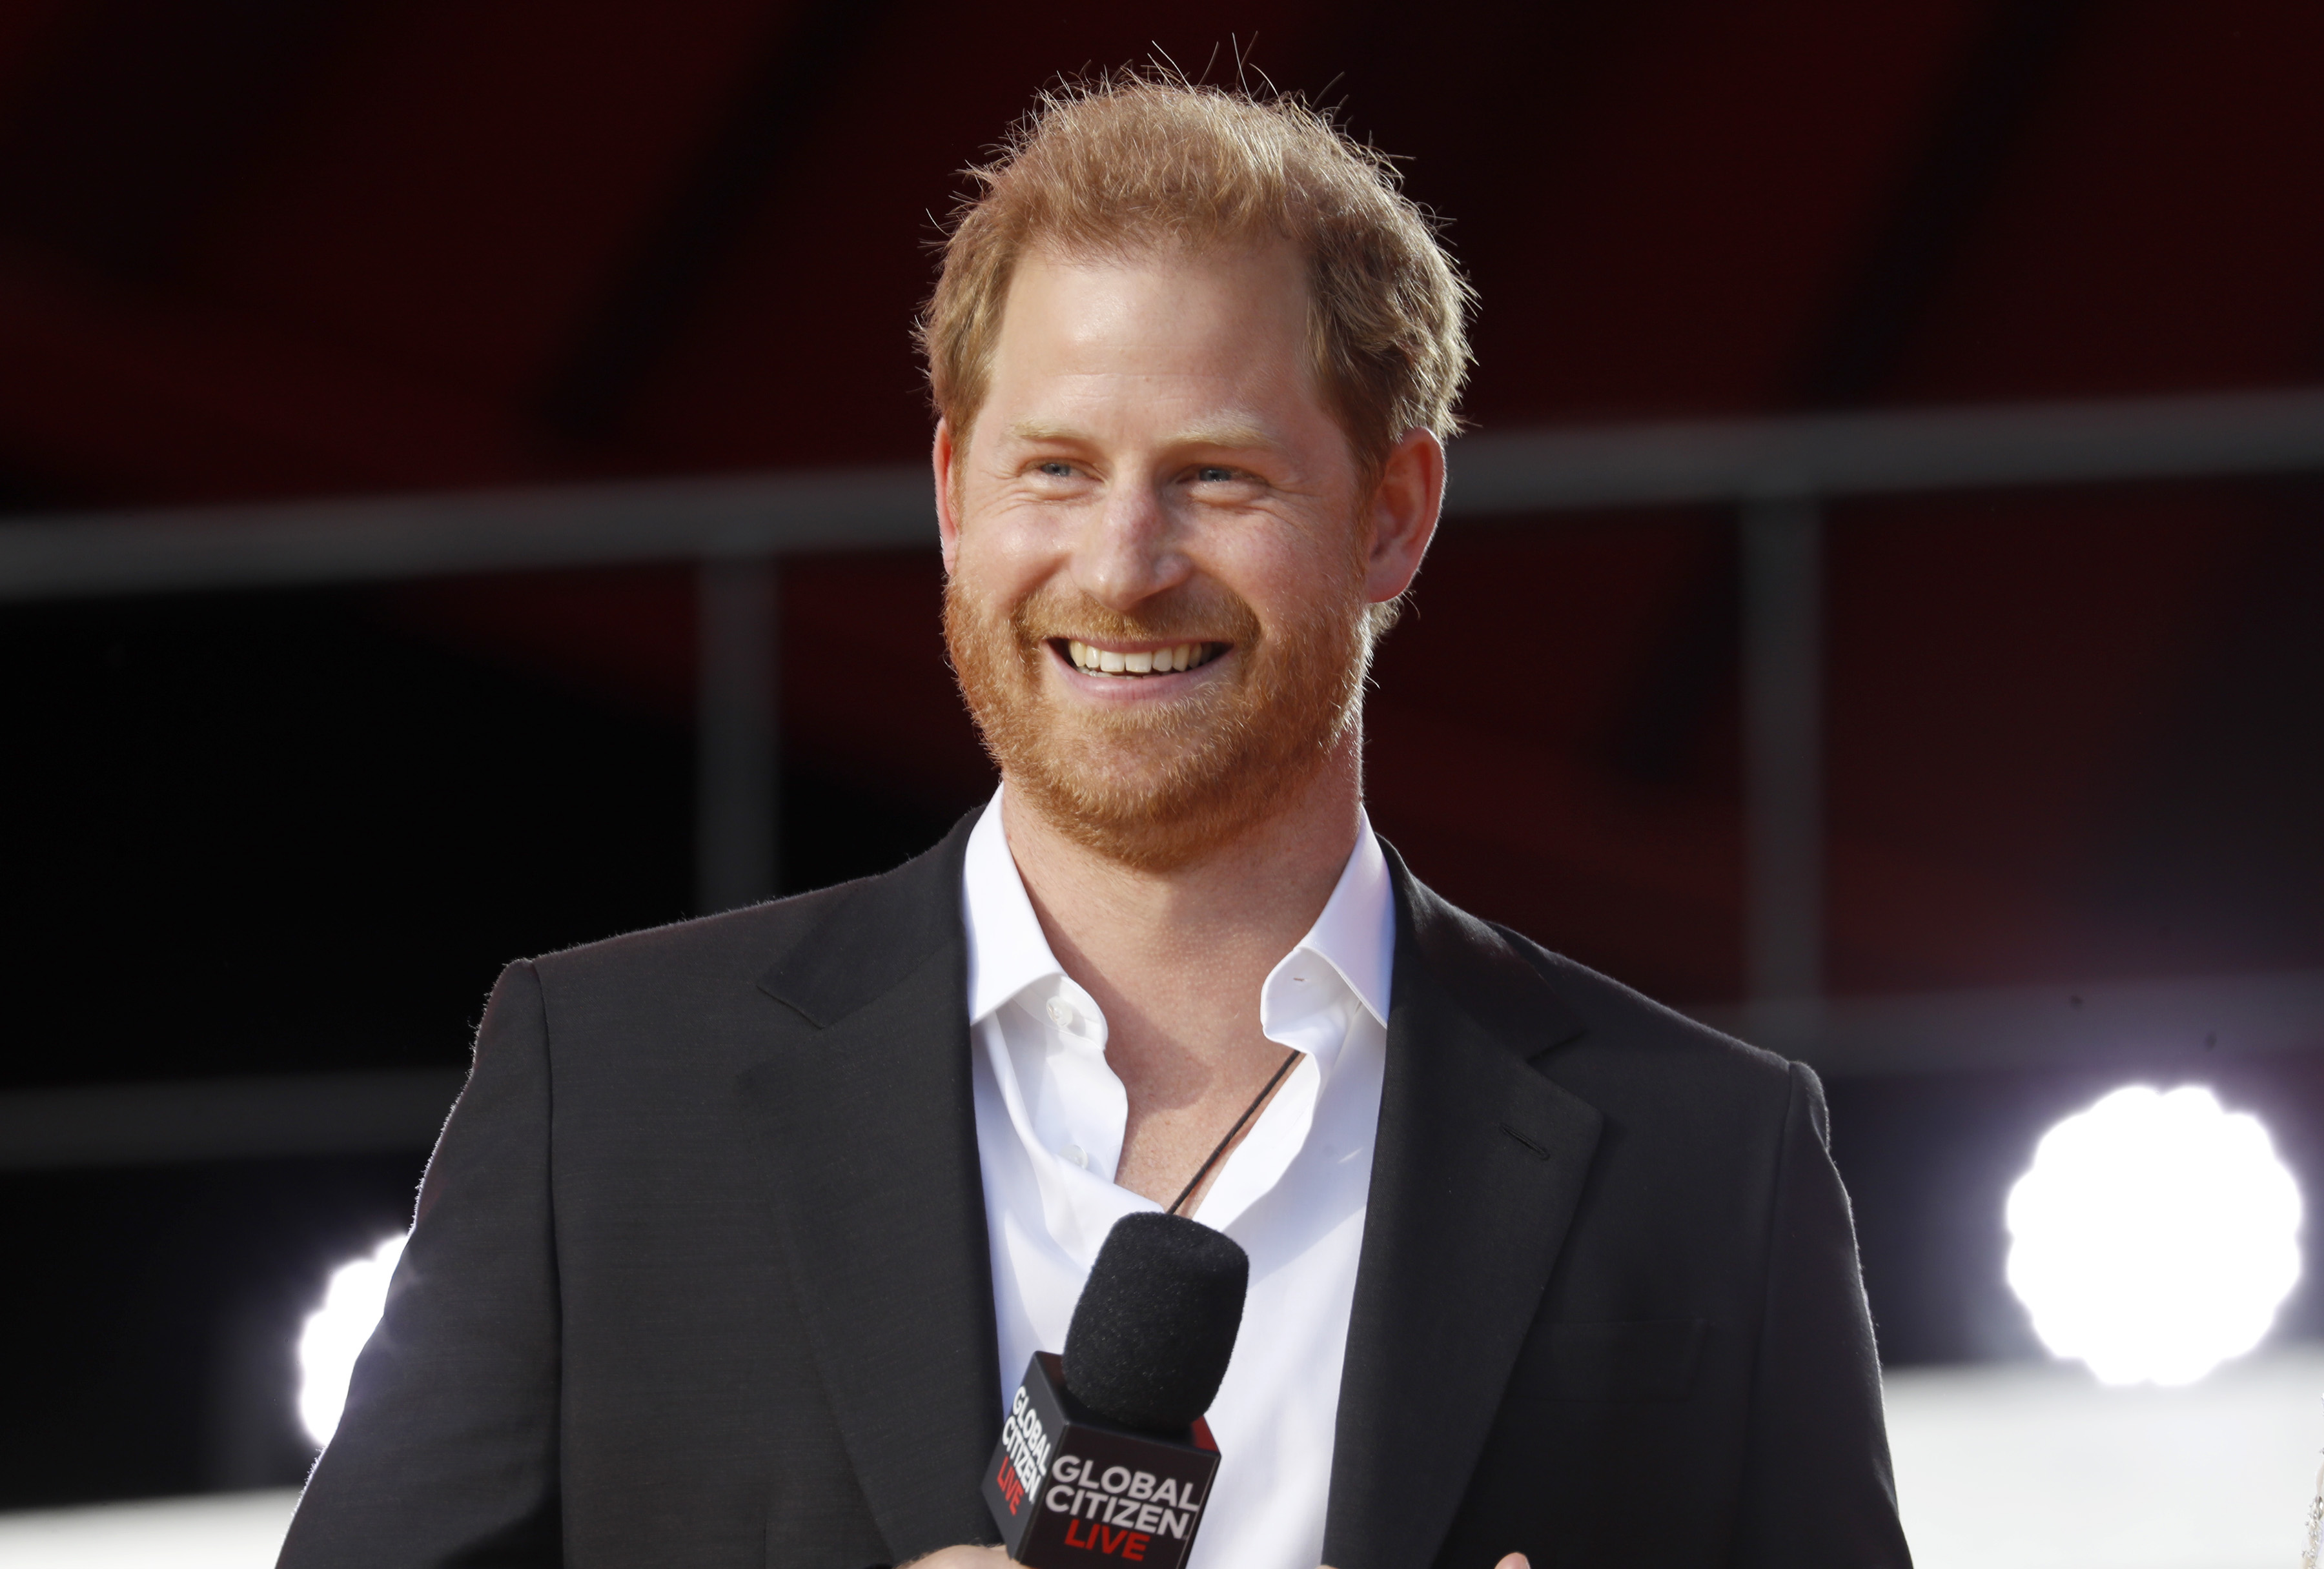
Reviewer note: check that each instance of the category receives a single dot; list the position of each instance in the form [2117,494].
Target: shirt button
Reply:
[1077,1154]
[1059,1014]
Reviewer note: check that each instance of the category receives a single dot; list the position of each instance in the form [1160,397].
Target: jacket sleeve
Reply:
[1817,1492]
[447,1452]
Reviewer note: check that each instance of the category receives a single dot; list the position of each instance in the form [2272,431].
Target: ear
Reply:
[1404,510]
[941,459]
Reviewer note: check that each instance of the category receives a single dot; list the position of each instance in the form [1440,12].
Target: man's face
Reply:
[1158,551]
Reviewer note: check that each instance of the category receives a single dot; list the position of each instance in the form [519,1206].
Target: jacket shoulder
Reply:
[1614,1013]
[1564,1017]
[817,952]
[1673,1084]
[1685,1107]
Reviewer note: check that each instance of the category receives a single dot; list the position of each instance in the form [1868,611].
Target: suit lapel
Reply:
[1478,1165]
[870,1139]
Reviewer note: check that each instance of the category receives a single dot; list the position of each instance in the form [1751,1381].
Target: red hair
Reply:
[1138,162]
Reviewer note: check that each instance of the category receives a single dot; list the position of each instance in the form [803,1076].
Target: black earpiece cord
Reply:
[1252,1111]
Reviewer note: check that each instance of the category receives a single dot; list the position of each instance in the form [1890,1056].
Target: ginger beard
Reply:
[1157,786]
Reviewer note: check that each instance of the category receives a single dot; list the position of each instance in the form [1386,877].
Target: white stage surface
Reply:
[2015,1467]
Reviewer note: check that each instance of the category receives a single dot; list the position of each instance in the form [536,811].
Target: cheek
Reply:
[1287,574]
[1000,558]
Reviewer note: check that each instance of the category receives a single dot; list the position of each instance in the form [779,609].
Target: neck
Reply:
[1244,901]
[1176,959]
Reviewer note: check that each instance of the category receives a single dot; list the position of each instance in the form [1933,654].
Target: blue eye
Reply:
[1057,470]
[1214,475]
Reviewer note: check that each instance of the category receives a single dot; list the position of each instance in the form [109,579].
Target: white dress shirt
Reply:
[1049,1120]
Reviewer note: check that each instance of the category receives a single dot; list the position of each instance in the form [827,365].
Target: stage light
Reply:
[2156,1235]
[335,1335]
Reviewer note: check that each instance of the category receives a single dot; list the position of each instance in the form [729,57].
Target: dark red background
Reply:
[257,249]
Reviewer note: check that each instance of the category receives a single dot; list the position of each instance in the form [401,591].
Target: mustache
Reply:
[1208,615]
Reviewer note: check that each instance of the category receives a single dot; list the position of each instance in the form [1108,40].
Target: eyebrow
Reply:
[1233,435]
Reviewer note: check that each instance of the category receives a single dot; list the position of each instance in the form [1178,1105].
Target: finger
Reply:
[1514,1561]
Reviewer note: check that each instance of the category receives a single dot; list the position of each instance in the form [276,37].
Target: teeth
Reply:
[1156,661]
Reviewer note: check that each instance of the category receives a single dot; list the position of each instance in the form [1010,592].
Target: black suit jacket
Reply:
[700,1274]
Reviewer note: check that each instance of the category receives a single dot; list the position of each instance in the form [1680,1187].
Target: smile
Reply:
[1092,660]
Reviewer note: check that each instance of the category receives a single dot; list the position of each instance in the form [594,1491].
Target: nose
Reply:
[1127,550]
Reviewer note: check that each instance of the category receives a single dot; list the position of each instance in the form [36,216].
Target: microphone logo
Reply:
[1025,1446]
[1068,1487]
[1133,1500]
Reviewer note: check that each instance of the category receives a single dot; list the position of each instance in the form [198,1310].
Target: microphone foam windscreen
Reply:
[1154,1327]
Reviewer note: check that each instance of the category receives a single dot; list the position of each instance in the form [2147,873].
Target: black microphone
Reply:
[1105,1458]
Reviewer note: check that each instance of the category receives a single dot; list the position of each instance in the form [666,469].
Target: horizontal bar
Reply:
[2158,1026]
[388,538]
[255,1117]
[2173,1028]
[313,543]
[2215,436]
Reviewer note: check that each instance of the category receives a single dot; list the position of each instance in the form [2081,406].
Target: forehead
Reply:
[1218,329]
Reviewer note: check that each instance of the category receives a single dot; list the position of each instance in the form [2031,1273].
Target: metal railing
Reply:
[1776,473]
[311,544]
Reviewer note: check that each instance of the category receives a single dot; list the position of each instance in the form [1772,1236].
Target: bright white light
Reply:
[335,1336]
[2156,1235]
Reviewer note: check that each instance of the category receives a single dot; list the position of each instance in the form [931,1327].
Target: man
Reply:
[744,1229]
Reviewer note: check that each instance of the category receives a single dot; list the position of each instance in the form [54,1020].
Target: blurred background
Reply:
[460,467]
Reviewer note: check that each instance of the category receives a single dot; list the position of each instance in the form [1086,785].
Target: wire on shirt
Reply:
[1250,1111]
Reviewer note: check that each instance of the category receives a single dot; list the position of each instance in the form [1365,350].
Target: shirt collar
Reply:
[1356,932]
[1007,952]
[1007,949]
